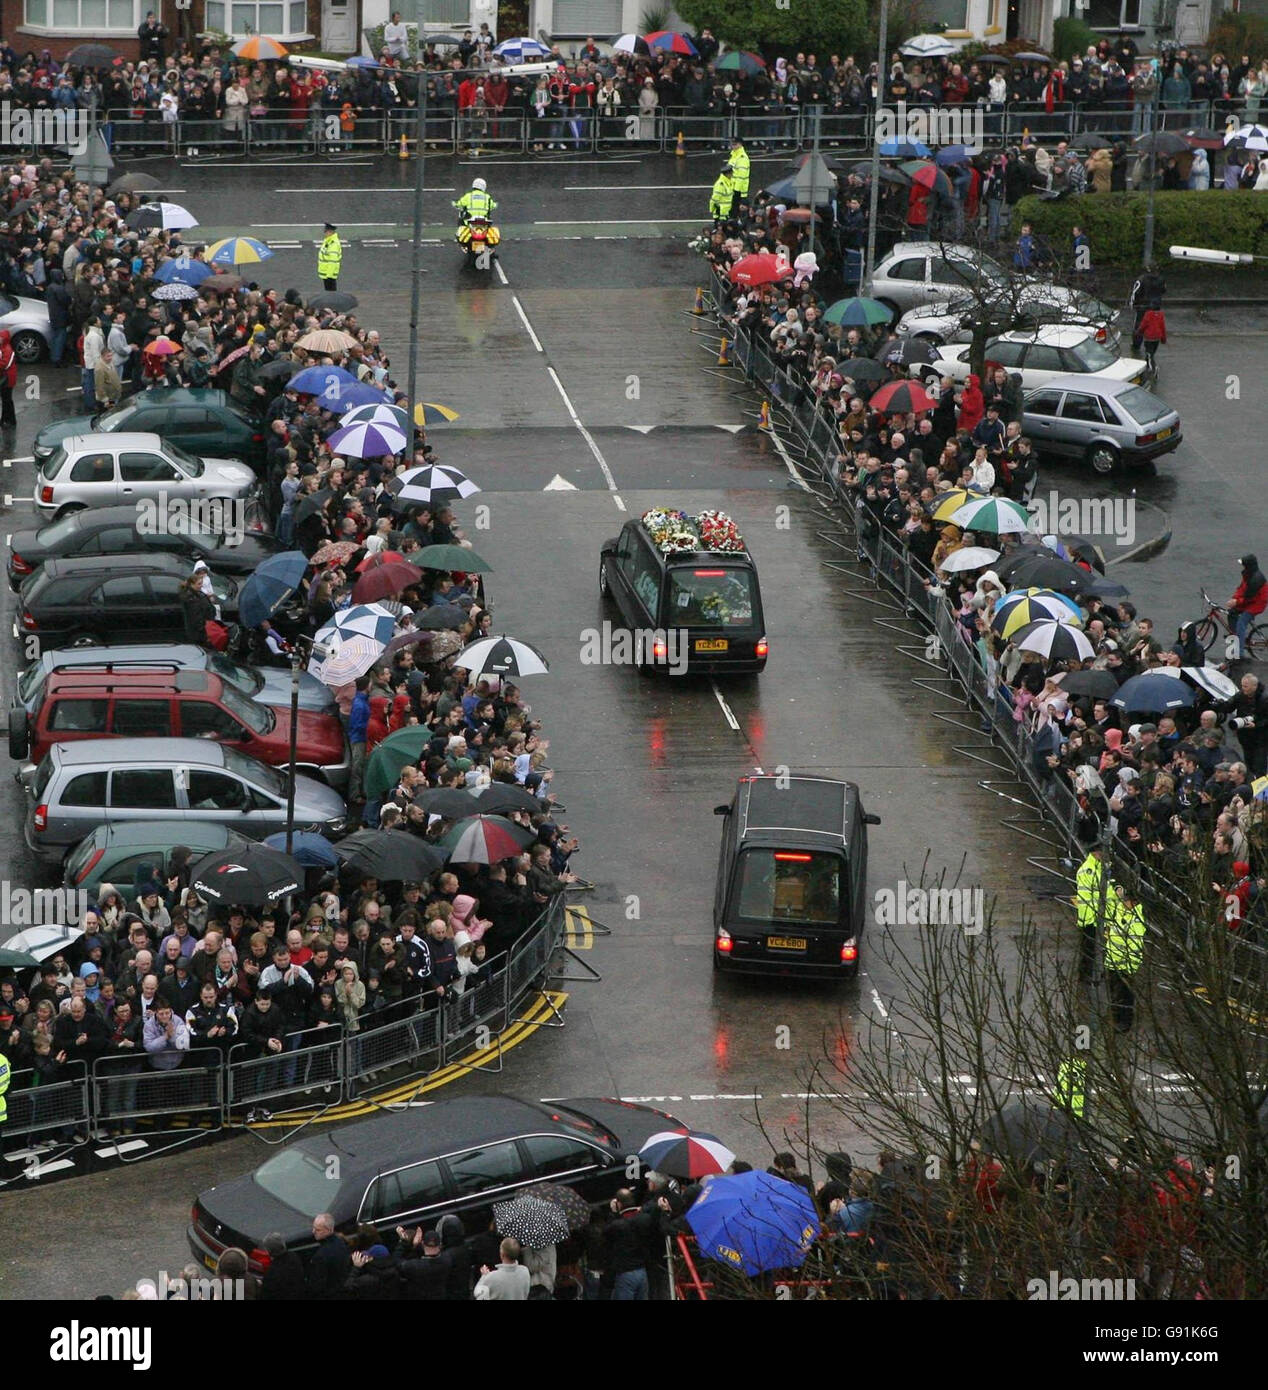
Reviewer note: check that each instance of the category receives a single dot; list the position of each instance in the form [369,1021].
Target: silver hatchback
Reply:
[1106,422]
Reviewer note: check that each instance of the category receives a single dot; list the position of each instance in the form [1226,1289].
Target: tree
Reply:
[832,26]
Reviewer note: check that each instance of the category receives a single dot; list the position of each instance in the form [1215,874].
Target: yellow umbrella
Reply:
[948,503]
[259,48]
[330,340]
[428,413]
[237,250]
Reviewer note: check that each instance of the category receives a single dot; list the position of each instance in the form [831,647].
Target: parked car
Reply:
[409,1167]
[103,470]
[190,781]
[201,420]
[114,853]
[114,598]
[1108,423]
[925,272]
[791,892]
[98,702]
[27,323]
[267,685]
[1030,306]
[1040,354]
[120,531]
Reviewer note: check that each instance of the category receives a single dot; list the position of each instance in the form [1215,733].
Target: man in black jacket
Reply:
[1249,710]
[283,1280]
[627,1246]
[80,1034]
[57,297]
[330,1263]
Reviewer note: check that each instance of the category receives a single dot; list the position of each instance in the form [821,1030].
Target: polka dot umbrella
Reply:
[532,1220]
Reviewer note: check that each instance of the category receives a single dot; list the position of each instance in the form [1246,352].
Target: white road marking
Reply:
[20,458]
[788,463]
[641,429]
[497,265]
[375,191]
[262,164]
[621,187]
[880,1007]
[726,709]
[114,1150]
[264,225]
[478,163]
[559,484]
[587,436]
[38,1170]
[620,222]
[528,327]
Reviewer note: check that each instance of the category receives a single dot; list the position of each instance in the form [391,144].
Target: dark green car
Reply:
[202,421]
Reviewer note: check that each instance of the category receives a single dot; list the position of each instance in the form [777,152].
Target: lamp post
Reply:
[873,200]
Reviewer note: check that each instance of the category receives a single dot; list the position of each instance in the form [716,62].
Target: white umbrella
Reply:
[352,660]
[928,46]
[501,656]
[969,557]
[1208,678]
[428,483]
[43,942]
[1249,137]
[359,620]
[995,514]
[1055,640]
[631,43]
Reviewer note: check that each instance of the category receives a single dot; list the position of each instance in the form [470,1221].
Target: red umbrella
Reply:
[163,347]
[931,177]
[762,269]
[899,397]
[380,557]
[335,552]
[385,580]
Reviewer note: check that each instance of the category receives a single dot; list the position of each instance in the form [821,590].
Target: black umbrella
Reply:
[991,60]
[334,299]
[887,173]
[395,855]
[135,183]
[284,368]
[90,55]
[311,504]
[499,797]
[861,369]
[20,207]
[441,617]
[1025,1132]
[1093,142]
[251,874]
[907,352]
[451,802]
[1036,566]
[410,638]
[574,1206]
[1097,685]
[1163,142]
[536,1222]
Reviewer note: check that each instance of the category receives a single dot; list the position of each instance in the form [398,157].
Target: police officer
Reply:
[722,198]
[738,168]
[1069,1093]
[330,258]
[476,202]
[1087,904]
[1124,950]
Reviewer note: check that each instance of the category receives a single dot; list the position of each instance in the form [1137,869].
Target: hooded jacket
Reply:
[972,405]
[8,361]
[1252,592]
[350,996]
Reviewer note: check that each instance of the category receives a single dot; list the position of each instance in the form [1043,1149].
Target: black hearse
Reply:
[791,894]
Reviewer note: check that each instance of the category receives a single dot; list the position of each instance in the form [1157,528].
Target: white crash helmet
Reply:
[480,184]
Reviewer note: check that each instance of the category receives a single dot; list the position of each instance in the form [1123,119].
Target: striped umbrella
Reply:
[740,60]
[857,312]
[238,250]
[1016,611]
[502,656]
[995,514]
[486,840]
[1248,137]
[631,43]
[514,51]
[900,397]
[367,441]
[182,270]
[666,41]
[432,482]
[686,1154]
[352,659]
[161,216]
[1054,640]
[359,620]
[429,413]
[1074,615]
[378,413]
[259,48]
[946,504]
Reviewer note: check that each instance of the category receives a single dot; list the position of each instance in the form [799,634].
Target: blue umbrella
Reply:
[1152,694]
[321,381]
[349,397]
[905,149]
[273,582]
[362,63]
[520,50]
[754,1222]
[307,848]
[954,154]
[183,271]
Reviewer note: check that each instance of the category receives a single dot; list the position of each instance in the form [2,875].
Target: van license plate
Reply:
[1162,434]
[712,644]
[786,943]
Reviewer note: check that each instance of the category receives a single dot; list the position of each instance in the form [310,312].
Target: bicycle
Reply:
[1209,627]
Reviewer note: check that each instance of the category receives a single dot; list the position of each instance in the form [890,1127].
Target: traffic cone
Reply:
[404,150]
[682,146]
[763,419]
[723,359]
[698,307]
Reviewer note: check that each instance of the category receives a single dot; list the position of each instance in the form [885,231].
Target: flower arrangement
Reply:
[672,530]
[719,532]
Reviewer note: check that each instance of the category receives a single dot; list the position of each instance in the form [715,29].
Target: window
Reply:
[951,13]
[911,269]
[1089,356]
[582,17]
[1043,403]
[79,717]
[709,598]
[143,718]
[202,719]
[301,1180]
[146,468]
[93,468]
[84,16]
[129,590]
[1005,354]
[114,540]
[1113,14]
[481,1170]
[409,1190]
[144,789]
[645,579]
[1080,407]
[788,886]
[1044,359]
[552,1153]
[213,791]
[1142,406]
[278,19]
[88,789]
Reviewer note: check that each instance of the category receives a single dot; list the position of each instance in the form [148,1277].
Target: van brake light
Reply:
[849,953]
[709,574]
[793,858]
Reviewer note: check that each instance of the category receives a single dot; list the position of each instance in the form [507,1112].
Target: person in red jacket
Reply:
[376,730]
[1153,330]
[972,405]
[1249,601]
[8,380]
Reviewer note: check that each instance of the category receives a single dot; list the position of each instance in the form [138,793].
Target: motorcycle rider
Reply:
[476,202]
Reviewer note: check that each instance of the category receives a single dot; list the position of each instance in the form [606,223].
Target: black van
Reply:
[791,895]
[685,611]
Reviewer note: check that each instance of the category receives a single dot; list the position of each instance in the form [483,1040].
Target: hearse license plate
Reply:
[786,943]
[712,644]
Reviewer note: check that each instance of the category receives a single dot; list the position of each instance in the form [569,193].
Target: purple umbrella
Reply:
[366,441]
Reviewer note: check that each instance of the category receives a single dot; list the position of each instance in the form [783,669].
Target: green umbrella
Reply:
[857,313]
[16,960]
[398,750]
[450,558]
[993,514]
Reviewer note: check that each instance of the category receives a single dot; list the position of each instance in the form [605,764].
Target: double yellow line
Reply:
[578,931]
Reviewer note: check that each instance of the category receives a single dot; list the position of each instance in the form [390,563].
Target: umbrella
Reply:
[259,48]
[165,216]
[443,645]
[1093,142]
[946,505]
[399,749]
[1153,693]
[175,291]
[536,1222]
[361,62]
[163,347]
[514,51]
[349,662]
[1031,58]
[450,802]
[631,43]
[1038,565]
[379,413]
[272,583]
[428,484]
[392,855]
[934,179]
[901,397]
[1097,685]
[16,960]
[271,371]
[308,849]
[955,154]
[575,1208]
[1163,142]
[452,559]
[992,60]
[861,370]
[968,557]
[221,283]
[385,581]
[43,942]
[905,149]
[887,173]
[252,874]
[1015,611]
[379,557]
[1053,640]
[359,393]
[686,1154]
[328,340]
[785,190]
[502,656]
[1026,1132]
[238,250]
[360,620]
[857,313]
[367,441]
[995,514]
[337,300]
[506,796]
[335,553]
[760,269]
[928,46]
[135,183]
[321,381]
[1248,137]
[754,1222]
[429,413]
[1202,138]
[90,55]
[1069,613]
[907,352]
[485,840]
[740,60]
[1208,678]
[21,206]
[442,40]
[665,41]
[442,617]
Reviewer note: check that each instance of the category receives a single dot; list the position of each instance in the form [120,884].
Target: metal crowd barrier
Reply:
[128,1088]
[43,1107]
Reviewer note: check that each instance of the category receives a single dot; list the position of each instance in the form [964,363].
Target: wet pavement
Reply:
[584,401]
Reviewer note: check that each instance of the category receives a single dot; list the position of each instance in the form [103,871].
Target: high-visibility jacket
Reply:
[4,1086]
[738,165]
[475,202]
[1068,1093]
[1087,890]
[1124,936]
[329,257]
[720,198]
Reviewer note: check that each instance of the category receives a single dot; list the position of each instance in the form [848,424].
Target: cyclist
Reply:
[1249,601]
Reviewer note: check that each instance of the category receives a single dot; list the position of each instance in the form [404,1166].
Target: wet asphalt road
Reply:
[583,367]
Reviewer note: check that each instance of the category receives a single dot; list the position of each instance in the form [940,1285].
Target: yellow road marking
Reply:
[1232,1005]
[579,933]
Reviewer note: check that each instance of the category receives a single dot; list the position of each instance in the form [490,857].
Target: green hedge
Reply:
[1115,223]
